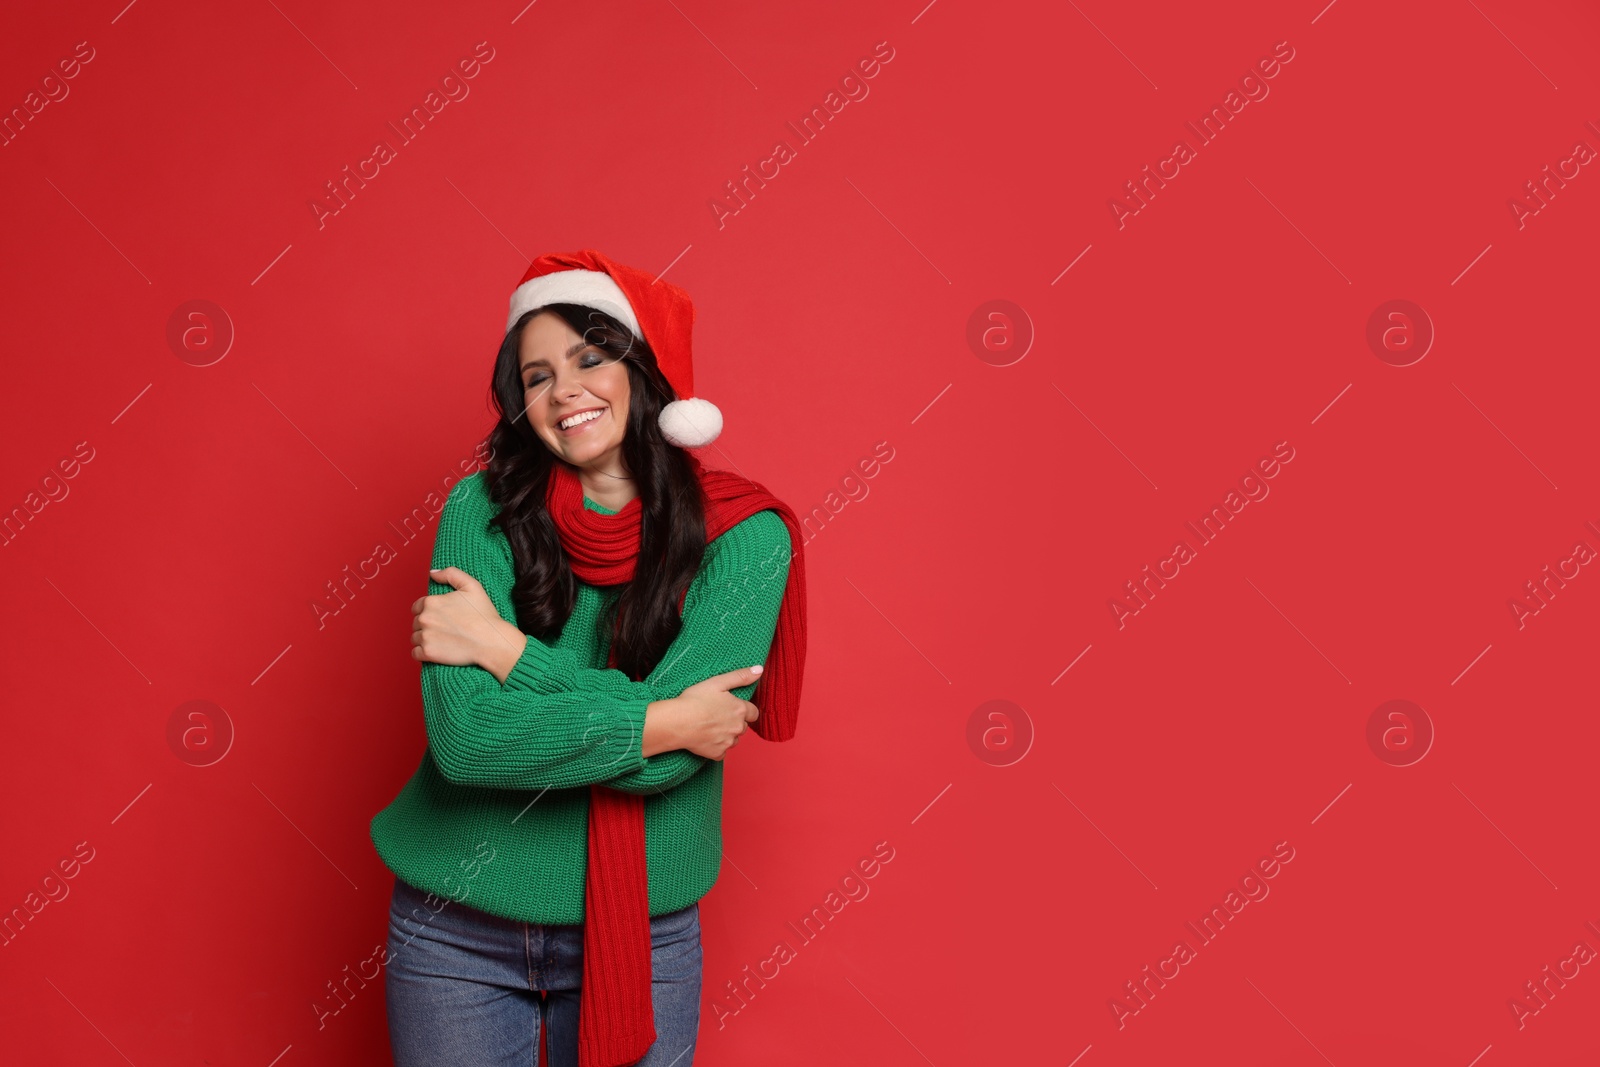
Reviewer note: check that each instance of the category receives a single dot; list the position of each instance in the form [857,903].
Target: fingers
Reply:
[751,712]
[727,680]
[454,577]
[735,678]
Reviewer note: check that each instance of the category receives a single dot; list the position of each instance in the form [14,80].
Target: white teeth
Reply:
[567,424]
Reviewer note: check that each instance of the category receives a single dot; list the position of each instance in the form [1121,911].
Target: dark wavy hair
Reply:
[672,535]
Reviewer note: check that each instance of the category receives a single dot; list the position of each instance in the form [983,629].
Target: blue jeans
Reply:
[464,987]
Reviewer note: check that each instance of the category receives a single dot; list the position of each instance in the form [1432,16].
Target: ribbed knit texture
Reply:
[616,1018]
[510,765]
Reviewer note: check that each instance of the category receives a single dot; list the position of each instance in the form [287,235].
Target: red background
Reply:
[1229,314]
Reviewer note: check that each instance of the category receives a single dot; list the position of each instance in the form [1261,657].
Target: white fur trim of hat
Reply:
[588,288]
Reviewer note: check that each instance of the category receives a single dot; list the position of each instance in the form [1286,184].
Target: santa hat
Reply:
[658,312]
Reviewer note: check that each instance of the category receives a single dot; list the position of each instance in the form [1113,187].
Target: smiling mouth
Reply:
[576,422]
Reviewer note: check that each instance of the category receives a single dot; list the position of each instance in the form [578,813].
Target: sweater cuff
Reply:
[531,669]
[629,735]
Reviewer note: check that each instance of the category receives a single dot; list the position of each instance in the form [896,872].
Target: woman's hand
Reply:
[708,720]
[462,628]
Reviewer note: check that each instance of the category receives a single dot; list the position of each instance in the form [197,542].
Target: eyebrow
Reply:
[574,350]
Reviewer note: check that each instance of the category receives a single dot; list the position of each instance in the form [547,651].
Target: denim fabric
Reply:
[463,986]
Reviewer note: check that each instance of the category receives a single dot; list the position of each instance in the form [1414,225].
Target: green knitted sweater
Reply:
[497,813]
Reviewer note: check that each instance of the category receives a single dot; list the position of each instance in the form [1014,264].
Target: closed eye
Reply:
[590,359]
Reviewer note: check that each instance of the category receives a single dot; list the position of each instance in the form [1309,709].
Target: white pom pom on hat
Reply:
[657,311]
[691,423]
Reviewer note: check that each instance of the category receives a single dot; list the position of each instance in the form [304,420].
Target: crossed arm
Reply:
[553,723]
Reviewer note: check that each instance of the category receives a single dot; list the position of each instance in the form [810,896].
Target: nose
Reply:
[565,387]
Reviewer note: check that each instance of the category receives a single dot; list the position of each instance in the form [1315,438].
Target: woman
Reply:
[599,612]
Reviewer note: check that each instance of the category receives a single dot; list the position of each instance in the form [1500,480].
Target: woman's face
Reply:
[562,376]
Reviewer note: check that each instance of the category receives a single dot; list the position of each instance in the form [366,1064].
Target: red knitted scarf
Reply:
[615,1017]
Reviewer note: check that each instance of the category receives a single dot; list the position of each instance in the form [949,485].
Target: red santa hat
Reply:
[658,312]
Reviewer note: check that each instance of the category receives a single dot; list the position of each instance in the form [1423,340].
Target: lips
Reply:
[580,427]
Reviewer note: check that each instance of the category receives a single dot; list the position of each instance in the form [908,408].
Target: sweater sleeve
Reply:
[730,614]
[483,734]
[556,724]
